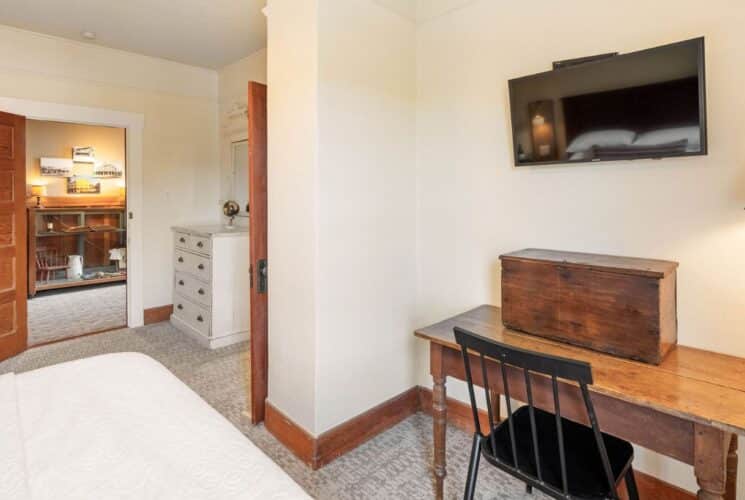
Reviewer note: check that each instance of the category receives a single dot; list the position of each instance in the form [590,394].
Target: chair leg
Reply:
[631,485]
[473,467]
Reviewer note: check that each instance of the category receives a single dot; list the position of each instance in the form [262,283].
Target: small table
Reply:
[691,407]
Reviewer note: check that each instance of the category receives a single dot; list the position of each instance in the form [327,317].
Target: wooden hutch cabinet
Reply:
[55,234]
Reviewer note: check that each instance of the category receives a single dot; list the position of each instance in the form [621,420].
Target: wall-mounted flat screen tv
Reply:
[646,104]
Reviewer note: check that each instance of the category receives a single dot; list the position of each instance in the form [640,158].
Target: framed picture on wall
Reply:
[84,154]
[81,184]
[55,167]
[107,170]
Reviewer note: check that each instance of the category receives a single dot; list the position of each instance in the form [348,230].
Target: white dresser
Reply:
[211,284]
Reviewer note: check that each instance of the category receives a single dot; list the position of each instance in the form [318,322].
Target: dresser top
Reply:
[213,230]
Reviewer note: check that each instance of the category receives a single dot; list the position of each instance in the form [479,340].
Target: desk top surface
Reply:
[698,385]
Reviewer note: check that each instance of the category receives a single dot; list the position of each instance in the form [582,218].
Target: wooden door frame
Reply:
[133,123]
[257,194]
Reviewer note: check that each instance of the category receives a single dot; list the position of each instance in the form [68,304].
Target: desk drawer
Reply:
[193,289]
[196,316]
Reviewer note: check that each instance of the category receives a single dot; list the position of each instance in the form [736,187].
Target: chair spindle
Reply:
[599,439]
[560,436]
[533,428]
[489,411]
[469,379]
[510,425]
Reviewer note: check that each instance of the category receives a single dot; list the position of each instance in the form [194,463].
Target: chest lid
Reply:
[633,266]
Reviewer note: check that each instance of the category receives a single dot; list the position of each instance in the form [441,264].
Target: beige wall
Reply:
[341,208]
[474,204]
[56,140]
[180,142]
[366,203]
[292,101]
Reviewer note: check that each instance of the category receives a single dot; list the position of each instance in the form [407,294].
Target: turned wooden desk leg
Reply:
[439,418]
[711,448]
[732,470]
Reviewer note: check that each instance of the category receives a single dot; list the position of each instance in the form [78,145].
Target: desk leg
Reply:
[711,448]
[732,470]
[439,418]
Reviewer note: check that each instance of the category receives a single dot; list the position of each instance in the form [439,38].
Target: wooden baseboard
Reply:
[158,314]
[352,433]
[319,451]
[292,436]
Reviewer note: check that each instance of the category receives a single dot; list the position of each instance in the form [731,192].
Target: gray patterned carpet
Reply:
[58,314]
[393,465]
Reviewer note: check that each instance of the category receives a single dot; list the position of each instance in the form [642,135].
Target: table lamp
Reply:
[38,190]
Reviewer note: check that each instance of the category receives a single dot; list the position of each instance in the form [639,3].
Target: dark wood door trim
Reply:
[257,198]
[13,235]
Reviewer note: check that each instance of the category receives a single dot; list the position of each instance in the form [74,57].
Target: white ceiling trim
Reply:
[421,11]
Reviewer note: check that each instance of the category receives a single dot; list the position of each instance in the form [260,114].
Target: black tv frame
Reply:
[592,61]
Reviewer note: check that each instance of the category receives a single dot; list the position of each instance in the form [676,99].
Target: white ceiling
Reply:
[207,33]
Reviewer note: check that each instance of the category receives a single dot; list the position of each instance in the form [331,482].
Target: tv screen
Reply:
[646,104]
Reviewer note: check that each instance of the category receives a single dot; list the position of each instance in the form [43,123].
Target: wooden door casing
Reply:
[257,198]
[13,264]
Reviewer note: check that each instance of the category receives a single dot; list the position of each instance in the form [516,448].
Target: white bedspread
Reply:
[121,426]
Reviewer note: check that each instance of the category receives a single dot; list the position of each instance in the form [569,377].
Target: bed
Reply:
[121,426]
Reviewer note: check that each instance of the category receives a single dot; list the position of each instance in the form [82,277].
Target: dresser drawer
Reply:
[199,266]
[193,289]
[196,265]
[196,316]
[200,244]
[181,240]
[181,260]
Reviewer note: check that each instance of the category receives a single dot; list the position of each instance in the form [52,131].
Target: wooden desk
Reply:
[691,407]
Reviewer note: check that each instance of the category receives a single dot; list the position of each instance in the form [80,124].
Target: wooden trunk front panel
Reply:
[626,315]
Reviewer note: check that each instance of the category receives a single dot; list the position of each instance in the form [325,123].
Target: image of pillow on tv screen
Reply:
[582,145]
[691,134]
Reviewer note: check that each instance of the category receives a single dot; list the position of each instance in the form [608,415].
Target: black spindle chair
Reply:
[562,458]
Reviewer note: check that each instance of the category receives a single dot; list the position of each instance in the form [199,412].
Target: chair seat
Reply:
[585,474]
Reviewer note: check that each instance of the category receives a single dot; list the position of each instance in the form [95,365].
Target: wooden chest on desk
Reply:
[211,284]
[619,305]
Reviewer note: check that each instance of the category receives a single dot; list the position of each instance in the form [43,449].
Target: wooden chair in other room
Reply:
[561,458]
[48,262]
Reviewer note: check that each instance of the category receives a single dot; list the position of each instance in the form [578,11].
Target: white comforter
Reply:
[121,426]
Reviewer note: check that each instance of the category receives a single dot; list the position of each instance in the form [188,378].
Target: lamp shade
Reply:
[38,190]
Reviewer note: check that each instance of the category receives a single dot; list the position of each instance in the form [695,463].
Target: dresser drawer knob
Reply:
[201,291]
[179,307]
[200,244]
[182,240]
[200,318]
[181,282]
[181,259]
[200,267]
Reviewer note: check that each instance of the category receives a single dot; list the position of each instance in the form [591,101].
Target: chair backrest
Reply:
[485,349]
[47,257]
